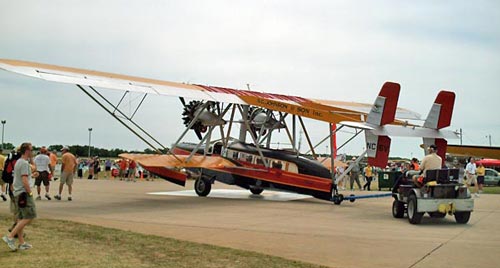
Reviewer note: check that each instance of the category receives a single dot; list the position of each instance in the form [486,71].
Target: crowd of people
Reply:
[22,172]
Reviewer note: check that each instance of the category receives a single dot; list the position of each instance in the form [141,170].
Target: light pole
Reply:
[3,126]
[90,138]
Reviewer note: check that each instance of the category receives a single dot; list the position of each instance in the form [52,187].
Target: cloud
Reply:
[340,50]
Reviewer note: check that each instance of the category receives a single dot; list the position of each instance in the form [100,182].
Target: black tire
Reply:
[256,191]
[462,217]
[414,217]
[437,215]
[398,209]
[202,186]
[337,199]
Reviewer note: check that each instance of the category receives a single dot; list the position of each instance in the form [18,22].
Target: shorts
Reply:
[67,178]
[107,168]
[480,179]
[470,179]
[28,212]
[43,177]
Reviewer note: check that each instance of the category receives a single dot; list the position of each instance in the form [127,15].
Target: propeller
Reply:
[205,117]
[259,120]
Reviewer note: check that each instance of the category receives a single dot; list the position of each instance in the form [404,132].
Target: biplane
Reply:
[249,160]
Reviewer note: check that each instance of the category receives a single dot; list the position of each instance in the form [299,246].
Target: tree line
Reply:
[84,150]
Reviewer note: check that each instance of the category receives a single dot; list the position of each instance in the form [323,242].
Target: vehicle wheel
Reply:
[437,215]
[398,209]
[414,217]
[462,217]
[337,199]
[256,190]
[202,186]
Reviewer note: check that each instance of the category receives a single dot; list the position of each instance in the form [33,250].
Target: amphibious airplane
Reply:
[254,165]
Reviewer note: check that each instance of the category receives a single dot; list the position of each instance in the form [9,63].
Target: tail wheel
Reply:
[414,217]
[398,209]
[256,191]
[462,217]
[202,186]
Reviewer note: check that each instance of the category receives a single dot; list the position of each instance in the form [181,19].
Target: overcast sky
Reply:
[340,50]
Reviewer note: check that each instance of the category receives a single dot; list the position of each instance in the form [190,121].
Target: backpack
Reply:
[8,169]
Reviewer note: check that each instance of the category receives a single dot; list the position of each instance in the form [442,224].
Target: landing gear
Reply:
[337,199]
[202,186]
[256,190]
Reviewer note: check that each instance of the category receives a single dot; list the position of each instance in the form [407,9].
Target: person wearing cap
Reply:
[429,162]
[470,174]
[68,169]
[354,176]
[42,164]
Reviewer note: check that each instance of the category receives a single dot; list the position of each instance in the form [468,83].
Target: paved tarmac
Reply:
[360,234]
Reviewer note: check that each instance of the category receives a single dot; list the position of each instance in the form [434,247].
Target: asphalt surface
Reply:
[360,234]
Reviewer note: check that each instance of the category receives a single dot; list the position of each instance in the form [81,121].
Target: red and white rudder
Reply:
[383,112]
[440,117]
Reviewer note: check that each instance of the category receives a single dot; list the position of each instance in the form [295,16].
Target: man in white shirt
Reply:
[42,163]
[470,175]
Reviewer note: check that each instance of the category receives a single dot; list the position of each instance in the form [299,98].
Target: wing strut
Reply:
[129,119]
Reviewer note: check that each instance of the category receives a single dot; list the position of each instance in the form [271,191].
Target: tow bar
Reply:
[338,198]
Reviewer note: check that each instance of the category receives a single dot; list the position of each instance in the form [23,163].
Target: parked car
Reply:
[491,177]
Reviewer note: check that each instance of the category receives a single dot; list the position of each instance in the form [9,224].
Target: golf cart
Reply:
[440,194]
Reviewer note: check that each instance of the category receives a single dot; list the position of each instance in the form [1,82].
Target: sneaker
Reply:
[48,197]
[476,195]
[10,242]
[4,197]
[38,198]
[25,246]
[58,197]
[70,199]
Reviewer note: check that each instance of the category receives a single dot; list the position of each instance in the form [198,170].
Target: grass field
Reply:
[59,244]
[491,190]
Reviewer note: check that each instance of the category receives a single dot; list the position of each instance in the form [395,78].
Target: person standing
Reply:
[123,168]
[53,163]
[131,168]
[368,176]
[107,168]
[470,174]
[3,187]
[480,171]
[68,169]
[26,210]
[81,164]
[97,167]
[42,164]
[355,174]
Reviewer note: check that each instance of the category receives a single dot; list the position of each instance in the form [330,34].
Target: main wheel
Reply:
[414,217]
[202,186]
[256,190]
[462,217]
[398,209]
[337,199]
